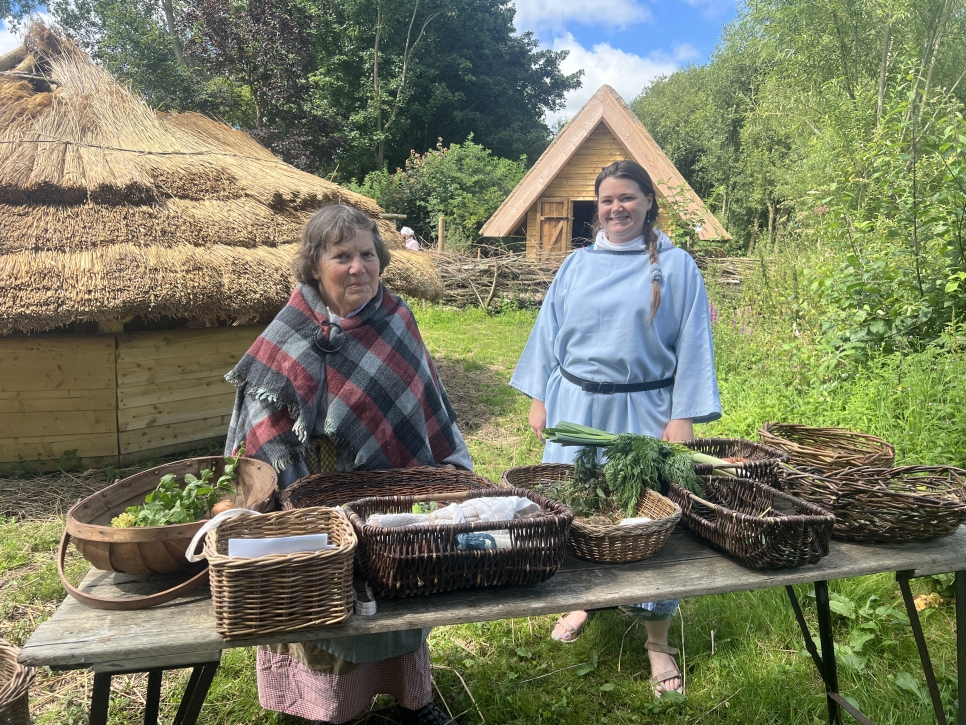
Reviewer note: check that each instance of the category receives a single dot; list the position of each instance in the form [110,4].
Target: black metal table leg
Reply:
[902,577]
[100,698]
[829,671]
[821,663]
[152,704]
[961,643]
[195,692]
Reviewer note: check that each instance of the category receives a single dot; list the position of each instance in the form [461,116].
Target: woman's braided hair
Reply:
[632,170]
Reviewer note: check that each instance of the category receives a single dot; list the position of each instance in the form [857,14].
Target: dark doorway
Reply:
[583,226]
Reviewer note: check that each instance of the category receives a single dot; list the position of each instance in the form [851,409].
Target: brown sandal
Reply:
[662,677]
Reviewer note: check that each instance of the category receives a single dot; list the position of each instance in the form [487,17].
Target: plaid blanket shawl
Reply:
[385,405]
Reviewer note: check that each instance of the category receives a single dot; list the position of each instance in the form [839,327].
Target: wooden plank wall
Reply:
[171,390]
[57,394]
[575,181]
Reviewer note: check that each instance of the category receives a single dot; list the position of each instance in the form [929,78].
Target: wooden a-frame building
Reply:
[553,205]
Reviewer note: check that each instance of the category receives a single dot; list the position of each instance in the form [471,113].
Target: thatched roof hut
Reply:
[116,218]
[110,210]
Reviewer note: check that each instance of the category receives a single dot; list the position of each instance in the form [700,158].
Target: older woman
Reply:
[341,380]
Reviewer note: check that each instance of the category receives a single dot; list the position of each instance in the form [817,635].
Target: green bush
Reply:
[464,183]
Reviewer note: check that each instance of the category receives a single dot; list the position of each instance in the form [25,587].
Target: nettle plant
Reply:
[897,219]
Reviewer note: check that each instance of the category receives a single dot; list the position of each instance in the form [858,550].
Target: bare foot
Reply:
[568,627]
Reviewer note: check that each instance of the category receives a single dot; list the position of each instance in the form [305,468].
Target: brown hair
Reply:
[632,170]
[332,225]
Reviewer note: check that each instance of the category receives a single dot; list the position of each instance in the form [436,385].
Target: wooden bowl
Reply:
[157,549]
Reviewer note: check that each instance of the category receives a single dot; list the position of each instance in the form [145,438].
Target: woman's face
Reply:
[621,208]
[348,273]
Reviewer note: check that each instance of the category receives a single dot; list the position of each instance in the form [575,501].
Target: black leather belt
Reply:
[591,386]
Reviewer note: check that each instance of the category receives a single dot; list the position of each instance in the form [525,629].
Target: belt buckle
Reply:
[607,388]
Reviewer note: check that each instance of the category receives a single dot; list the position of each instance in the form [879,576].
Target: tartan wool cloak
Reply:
[384,404]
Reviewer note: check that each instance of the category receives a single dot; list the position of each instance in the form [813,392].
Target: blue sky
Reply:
[625,43]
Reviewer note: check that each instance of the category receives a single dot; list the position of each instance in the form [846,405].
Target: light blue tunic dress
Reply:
[594,323]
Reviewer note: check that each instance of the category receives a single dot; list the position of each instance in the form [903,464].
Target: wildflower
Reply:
[713,312]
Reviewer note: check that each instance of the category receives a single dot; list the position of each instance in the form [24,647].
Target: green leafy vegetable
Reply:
[171,504]
[633,463]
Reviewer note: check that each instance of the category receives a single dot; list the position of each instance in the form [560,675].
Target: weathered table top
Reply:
[182,632]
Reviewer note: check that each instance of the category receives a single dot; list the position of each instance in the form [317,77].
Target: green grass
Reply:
[756,671]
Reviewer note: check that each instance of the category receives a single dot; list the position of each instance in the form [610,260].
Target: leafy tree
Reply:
[405,73]
[464,183]
[264,46]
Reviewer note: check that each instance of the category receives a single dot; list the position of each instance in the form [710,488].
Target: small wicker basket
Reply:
[284,592]
[15,682]
[335,489]
[404,561]
[829,449]
[761,464]
[608,544]
[910,503]
[761,526]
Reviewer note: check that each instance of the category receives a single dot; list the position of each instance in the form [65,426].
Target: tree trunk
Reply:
[754,233]
[772,208]
[377,91]
[172,30]
[883,70]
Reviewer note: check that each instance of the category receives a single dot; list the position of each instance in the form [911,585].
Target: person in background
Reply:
[630,311]
[341,380]
[409,236]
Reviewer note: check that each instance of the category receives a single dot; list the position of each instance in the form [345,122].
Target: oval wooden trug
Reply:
[156,549]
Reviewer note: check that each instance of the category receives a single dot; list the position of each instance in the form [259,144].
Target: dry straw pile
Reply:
[110,210]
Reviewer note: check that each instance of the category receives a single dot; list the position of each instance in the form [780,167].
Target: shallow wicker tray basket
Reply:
[609,544]
[760,525]
[335,489]
[283,592]
[829,449]
[909,503]
[404,561]
[15,682]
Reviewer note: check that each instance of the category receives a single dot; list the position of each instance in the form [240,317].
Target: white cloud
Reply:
[626,72]
[8,40]
[555,14]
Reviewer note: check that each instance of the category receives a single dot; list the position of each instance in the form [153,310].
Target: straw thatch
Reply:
[110,210]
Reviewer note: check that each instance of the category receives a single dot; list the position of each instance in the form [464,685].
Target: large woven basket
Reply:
[284,592]
[335,489]
[15,682]
[404,561]
[610,544]
[761,526]
[829,449]
[762,460]
[910,503]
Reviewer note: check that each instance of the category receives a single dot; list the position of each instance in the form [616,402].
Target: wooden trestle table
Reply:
[181,634]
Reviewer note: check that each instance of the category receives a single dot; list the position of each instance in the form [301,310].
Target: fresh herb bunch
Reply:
[171,504]
[633,463]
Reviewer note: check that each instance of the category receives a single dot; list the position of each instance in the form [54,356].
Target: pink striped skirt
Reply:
[286,685]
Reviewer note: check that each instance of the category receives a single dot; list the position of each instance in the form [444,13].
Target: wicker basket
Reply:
[335,489]
[761,464]
[606,544]
[829,449]
[285,592]
[761,526]
[412,560]
[15,682]
[911,503]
